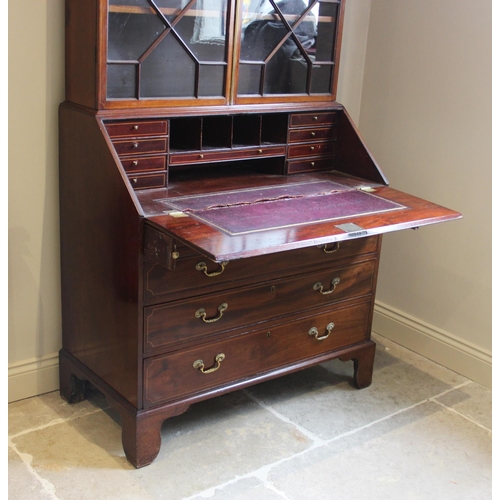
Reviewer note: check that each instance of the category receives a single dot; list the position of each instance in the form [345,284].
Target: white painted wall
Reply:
[426,117]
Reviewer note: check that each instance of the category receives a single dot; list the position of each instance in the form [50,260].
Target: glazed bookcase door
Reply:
[288,50]
[168,52]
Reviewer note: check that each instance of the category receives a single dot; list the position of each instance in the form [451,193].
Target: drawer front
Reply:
[207,315]
[141,146]
[189,274]
[147,181]
[145,163]
[173,375]
[322,148]
[312,134]
[235,154]
[137,128]
[311,119]
[311,165]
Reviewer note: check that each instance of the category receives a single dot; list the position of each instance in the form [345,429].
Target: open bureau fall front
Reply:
[221,218]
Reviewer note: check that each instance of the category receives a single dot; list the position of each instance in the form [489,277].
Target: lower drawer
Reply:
[194,274]
[188,320]
[178,374]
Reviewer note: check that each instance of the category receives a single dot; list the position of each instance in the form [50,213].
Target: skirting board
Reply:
[34,376]
[437,345]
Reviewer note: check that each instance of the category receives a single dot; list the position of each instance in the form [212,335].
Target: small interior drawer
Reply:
[312,119]
[315,149]
[148,181]
[311,165]
[178,374]
[145,163]
[141,146]
[137,128]
[312,134]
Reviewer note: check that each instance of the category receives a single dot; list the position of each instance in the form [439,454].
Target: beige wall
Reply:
[426,116]
[36,86]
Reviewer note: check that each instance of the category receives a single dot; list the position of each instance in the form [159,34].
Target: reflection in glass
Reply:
[173,43]
[287,47]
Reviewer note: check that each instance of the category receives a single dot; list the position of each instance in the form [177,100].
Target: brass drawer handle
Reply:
[334,248]
[136,127]
[314,332]
[199,365]
[201,313]
[318,286]
[313,134]
[201,266]
[135,145]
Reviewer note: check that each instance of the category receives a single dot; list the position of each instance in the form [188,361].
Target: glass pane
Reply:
[327,25]
[288,39]
[202,26]
[249,79]
[321,79]
[168,71]
[212,81]
[170,40]
[122,81]
[132,28]
[286,72]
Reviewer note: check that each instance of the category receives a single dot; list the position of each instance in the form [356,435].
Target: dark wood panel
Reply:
[316,149]
[312,134]
[137,128]
[315,118]
[149,181]
[311,165]
[226,155]
[352,154]
[144,163]
[141,146]
[188,276]
[172,376]
[81,47]
[100,248]
[209,314]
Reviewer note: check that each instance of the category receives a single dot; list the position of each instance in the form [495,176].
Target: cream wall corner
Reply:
[36,87]
[426,116]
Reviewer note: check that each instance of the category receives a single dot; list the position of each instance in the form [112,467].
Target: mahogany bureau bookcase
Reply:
[221,218]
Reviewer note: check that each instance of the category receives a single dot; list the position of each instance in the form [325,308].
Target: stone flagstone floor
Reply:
[419,431]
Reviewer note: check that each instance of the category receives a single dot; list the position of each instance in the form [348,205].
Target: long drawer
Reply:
[175,375]
[205,315]
[225,155]
[190,273]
